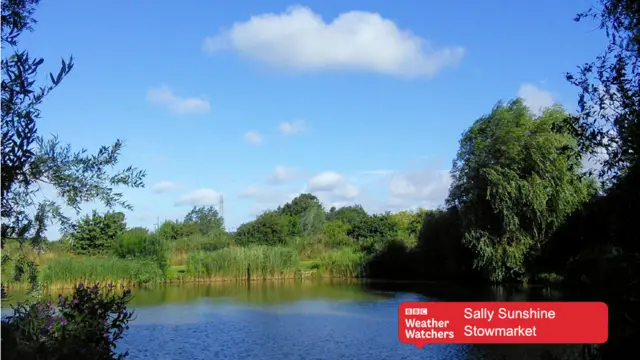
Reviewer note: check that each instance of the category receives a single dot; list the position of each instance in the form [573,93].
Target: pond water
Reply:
[330,320]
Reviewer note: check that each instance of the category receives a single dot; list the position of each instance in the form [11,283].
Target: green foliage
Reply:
[312,221]
[609,121]
[300,205]
[211,242]
[202,220]
[376,227]
[70,271]
[446,258]
[171,230]
[29,159]
[335,232]
[344,262]
[514,183]
[138,243]
[349,215]
[253,261]
[96,234]
[270,228]
[84,325]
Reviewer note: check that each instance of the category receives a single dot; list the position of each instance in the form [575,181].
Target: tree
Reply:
[97,233]
[609,102]
[312,220]
[348,214]
[270,228]
[203,220]
[376,227]
[29,160]
[303,203]
[171,230]
[606,263]
[514,183]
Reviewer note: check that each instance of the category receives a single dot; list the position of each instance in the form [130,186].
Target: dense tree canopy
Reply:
[514,183]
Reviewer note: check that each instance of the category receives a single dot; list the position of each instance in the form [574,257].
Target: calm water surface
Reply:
[300,320]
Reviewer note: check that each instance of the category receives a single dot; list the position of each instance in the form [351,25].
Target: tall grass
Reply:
[344,262]
[128,272]
[139,244]
[179,249]
[256,262]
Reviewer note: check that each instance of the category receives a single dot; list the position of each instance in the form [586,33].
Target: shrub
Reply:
[140,244]
[85,325]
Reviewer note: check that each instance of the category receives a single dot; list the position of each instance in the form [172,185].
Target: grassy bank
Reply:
[58,269]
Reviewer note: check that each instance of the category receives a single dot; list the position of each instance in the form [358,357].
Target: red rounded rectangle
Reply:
[421,323]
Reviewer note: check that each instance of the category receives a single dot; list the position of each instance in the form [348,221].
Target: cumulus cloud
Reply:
[332,187]
[163,96]
[253,137]
[282,174]
[300,39]
[426,188]
[325,181]
[292,127]
[200,197]
[535,98]
[165,186]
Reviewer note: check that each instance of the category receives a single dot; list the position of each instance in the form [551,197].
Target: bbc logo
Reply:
[416,311]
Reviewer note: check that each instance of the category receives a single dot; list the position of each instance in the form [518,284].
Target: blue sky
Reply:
[355,101]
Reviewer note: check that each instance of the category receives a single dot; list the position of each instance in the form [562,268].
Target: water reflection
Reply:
[301,320]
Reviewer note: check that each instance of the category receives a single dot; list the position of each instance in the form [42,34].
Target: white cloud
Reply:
[165,186]
[292,127]
[332,188]
[325,181]
[535,98]
[199,197]
[427,188]
[300,39]
[163,96]
[282,174]
[347,192]
[253,137]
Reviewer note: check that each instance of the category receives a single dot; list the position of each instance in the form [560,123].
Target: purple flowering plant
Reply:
[84,325]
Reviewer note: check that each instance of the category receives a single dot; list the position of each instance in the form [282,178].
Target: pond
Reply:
[303,320]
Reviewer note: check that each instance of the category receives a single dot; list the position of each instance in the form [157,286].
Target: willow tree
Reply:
[30,160]
[516,178]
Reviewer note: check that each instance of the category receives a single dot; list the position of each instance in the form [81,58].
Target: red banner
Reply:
[422,323]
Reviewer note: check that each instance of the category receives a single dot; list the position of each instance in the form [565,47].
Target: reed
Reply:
[254,262]
[60,273]
[344,262]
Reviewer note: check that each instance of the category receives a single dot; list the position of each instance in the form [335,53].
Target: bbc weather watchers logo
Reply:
[416,311]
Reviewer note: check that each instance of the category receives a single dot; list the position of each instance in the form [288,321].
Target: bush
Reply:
[139,244]
[85,325]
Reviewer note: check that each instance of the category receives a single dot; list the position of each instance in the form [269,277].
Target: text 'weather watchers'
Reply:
[422,323]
